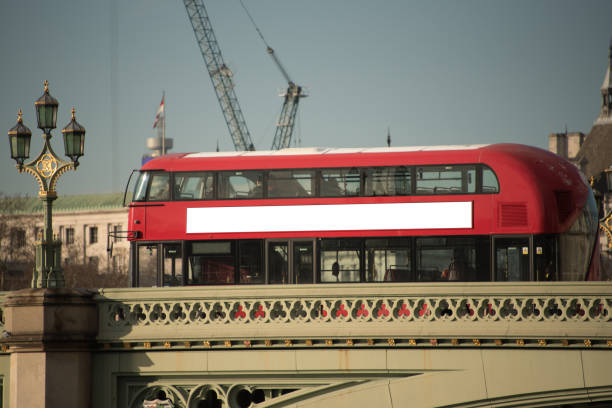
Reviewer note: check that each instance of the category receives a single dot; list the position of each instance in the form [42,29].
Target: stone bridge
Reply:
[338,345]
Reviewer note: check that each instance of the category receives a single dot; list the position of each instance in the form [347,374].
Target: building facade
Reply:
[592,154]
[89,227]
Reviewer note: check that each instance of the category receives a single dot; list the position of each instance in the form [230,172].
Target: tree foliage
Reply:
[17,256]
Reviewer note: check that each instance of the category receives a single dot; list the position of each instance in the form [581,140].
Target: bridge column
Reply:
[49,333]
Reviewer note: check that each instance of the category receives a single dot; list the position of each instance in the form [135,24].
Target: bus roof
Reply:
[333,150]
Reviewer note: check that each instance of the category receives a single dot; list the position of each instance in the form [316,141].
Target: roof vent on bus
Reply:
[564,204]
[513,215]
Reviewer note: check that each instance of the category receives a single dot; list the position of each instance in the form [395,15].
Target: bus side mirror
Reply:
[127,186]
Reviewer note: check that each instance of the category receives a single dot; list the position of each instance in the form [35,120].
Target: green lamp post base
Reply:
[48,272]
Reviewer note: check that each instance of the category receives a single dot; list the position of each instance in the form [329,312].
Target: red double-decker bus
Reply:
[502,212]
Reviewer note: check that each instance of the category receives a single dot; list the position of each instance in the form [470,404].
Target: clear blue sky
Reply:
[435,72]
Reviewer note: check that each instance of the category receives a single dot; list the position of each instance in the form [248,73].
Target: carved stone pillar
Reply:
[50,333]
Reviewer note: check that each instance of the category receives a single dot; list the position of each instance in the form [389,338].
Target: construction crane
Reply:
[223,84]
[286,120]
[220,74]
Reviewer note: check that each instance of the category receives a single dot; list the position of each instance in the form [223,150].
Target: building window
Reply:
[116,231]
[115,263]
[93,261]
[18,238]
[69,236]
[93,235]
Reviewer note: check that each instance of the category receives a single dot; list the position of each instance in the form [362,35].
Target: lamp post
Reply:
[605,223]
[46,169]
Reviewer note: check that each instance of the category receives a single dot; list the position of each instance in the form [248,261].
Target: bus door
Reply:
[303,261]
[290,261]
[147,265]
[137,220]
[159,265]
[512,256]
[172,265]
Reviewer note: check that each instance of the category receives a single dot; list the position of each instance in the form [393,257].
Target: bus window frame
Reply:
[493,261]
[359,171]
[150,181]
[188,253]
[359,244]
[146,188]
[214,175]
[137,262]
[345,244]
[313,181]
[406,243]
[160,248]
[162,261]
[262,262]
[291,277]
[317,174]
[367,180]
[219,176]
[480,174]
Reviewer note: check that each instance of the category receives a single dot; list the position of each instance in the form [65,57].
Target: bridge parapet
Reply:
[559,314]
[338,345]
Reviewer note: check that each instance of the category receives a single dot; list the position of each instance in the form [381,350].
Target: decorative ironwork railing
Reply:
[433,314]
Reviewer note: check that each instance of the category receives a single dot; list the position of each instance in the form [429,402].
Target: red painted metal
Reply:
[528,176]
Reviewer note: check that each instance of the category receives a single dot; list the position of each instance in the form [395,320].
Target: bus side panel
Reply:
[137,222]
[166,221]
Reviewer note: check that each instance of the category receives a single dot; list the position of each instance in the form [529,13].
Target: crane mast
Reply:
[286,119]
[219,73]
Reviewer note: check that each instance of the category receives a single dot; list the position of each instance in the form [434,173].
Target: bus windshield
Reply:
[152,186]
[140,191]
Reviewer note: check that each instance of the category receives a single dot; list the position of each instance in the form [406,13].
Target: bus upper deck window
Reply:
[160,187]
[340,182]
[140,191]
[387,181]
[439,180]
[489,181]
[240,184]
[290,183]
[194,186]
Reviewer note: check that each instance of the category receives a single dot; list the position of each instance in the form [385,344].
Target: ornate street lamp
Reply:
[74,140]
[46,110]
[608,173]
[19,139]
[605,223]
[46,169]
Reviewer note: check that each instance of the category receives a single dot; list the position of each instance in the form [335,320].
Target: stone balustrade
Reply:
[563,314]
[227,343]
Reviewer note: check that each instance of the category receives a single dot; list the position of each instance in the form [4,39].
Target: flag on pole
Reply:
[160,114]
